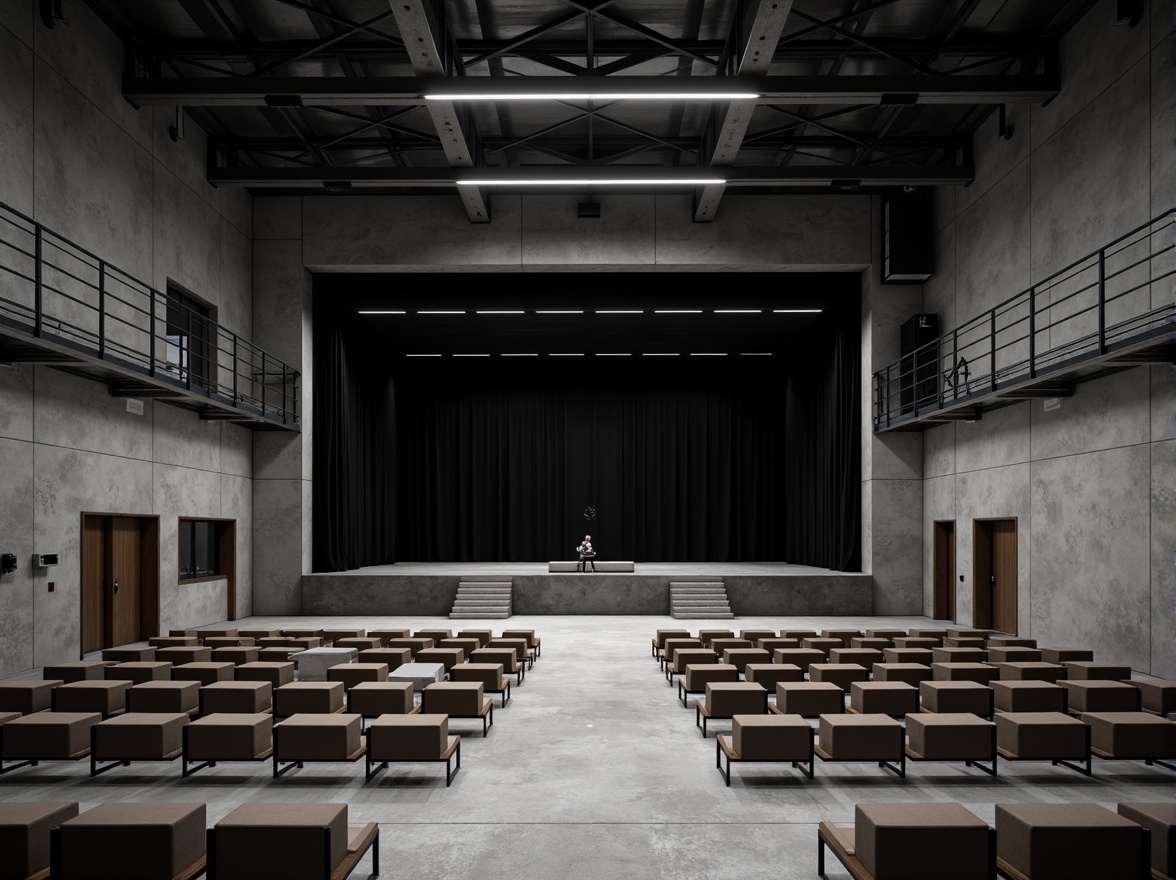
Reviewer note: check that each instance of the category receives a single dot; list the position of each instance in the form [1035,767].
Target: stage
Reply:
[753,588]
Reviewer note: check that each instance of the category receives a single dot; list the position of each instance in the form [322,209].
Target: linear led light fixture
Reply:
[519,354]
[660,354]
[566,354]
[423,355]
[559,311]
[599,181]
[677,311]
[461,355]
[600,96]
[738,311]
[619,312]
[380,312]
[708,354]
[755,353]
[440,312]
[499,312]
[796,311]
[613,354]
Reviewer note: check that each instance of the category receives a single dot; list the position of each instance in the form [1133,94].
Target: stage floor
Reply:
[692,570]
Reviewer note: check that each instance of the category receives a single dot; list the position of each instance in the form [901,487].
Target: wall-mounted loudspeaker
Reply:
[906,236]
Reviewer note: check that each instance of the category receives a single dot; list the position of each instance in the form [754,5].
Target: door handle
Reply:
[991,580]
[116,585]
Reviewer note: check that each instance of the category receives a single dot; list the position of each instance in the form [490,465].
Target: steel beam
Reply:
[556,176]
[755,31]
[434,56]
[334,91]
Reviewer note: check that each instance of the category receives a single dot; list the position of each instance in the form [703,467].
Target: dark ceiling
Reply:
[319,96]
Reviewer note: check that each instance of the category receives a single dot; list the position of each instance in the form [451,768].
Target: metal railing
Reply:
[1118,297]
[55,291]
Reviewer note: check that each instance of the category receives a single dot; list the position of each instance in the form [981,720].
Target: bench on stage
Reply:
[601,565]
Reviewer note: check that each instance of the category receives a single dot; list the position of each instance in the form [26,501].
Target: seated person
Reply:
[586,555]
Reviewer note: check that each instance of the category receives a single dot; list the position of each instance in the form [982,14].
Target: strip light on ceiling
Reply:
[677,311]
[738,311]
[796,311]
[599,181]
[499,312]
[619,312]
[559,311]
[379,312]
[592,96]
[435,312]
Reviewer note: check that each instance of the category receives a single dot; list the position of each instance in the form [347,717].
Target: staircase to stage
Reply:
[483,599]
[695,599]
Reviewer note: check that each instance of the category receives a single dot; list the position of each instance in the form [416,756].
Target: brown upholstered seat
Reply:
[533,641]
[164,696]
[886,633]
[912,642]
[659,637]
[1043,736]
[27,697]
[1098,695]
[392,657]
[740,657]
[490,675]
[865,657]
[257,634]
[1074,841]
[360,643]
[314,737]
[301,697]
[130,653]
[965,671]
[723,699]
[965,642]
[1031,671]
[162,840]
[413,644]
[901,654]
[684,657]
[841,674]
[137,736]
[1013,654]
[1088,670]
[952,736]
[911,673]
[104,697]
[447,657]
[871,643]
[754,635]
[305,633]
[955,696]
[809,698]
[459,699]
[706,635]
[47,736]
[1157,697]
[1160,820]
[334,635]
[371,699]
[173,641]
[411,739]
[766,738]
[277,674]
[1066,654]
[227,736]
[180,656]
[505,657]
[5,717]
[237,697]
[771,674]
[25,830]
[771,644]
[76,670]
[698,675]
[1131,735]
[1011,642]
[822,644]
[205,632]
[906,840]
[274,654]
[1028,696]
[928,632]
[352,674]
[671,646]
[954,654]
[869,738]
[237,656]
[720,646]
[289,840]
[385,634]
[894,698]
[844,634]
[216,642]
[468,646]
[139,671]
[802,657]
[205,673]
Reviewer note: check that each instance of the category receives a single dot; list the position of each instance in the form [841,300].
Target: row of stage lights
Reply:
[589,311]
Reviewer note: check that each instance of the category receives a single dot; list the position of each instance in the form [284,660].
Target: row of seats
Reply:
[170,841]
[264,715]
[923,714]
[1029,842]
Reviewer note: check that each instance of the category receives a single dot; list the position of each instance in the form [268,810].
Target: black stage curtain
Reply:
[354,428]
[496,459]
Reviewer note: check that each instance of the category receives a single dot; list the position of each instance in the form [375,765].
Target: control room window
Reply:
[199,549]
[190,337]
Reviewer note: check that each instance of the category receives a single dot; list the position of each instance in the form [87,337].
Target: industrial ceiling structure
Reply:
[465,98]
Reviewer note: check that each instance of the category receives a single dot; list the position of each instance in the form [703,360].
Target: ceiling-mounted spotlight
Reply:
[175,131]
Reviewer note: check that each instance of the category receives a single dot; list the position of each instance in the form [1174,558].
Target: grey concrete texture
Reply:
[594,770]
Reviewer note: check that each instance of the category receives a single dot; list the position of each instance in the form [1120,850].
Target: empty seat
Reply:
[301,697]
[900,654]
[698,675]
[490,675]
[25,830]
[165,696]
[1074,841]
[290,840]
[163,841]
[360,643]
[1088,670]
[226,737]
[955,654]
[822,644]
[189,654]
[1043,736]
[412,739]
[862,739]
[965,671]
[27,697]
[1065,654]
[724,699]
[45,736]
[766,738]
[684,657]
[1160,820]
[771,674]
[802,657]
[1157,697]
[894,698]
[173,641]
[238,656]
[841,674]
[864,657]
[447,657]
[952,736]
[435,634]
[809,699]
[276,673]
[459,699]
[706,635]
[911,673]
[385,634]
[352,674]
[76,670]
[843,634]
[392,657]
[137,736]
[139,671]
[205,673]
[316,738]
[237,697]
[107,698]
[1031,671]
[1132,736]
[1013,654]
[130,653]
[1028,696]
[1098,695]
[955,696]
[740,657]
[371,699]
[334,635]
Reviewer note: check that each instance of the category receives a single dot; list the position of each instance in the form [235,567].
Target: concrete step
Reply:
[480,615]
[485,599]
[694,600]
[692,615]
[496,584]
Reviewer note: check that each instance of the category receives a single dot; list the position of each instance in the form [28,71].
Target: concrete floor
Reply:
[594,770]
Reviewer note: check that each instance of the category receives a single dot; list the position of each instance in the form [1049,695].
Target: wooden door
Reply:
[93,584]
[123,580]
[944,570]
[994,568]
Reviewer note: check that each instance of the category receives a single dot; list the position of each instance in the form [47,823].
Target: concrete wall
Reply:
[1093,485]
[79,159]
